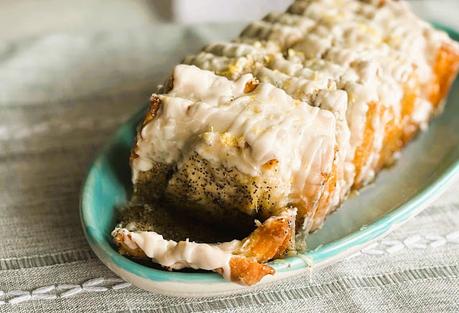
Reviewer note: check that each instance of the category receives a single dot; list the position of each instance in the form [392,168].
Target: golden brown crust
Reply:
[124,249]
[270,240]
[246,271]
[445,69]
[251,85]
[363,152]
[155,104]
[401,129]
[270,165]
[323,207]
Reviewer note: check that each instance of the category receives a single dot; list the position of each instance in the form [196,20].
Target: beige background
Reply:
[24,18]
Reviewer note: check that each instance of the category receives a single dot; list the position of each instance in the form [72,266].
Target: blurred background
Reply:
[22,18]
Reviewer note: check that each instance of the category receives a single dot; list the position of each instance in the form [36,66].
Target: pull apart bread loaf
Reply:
[280,124]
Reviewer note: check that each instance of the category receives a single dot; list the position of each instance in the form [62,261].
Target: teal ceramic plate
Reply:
[399,193]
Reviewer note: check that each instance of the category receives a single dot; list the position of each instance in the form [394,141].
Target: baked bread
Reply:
[281,124]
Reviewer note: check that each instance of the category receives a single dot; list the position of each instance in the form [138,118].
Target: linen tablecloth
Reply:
[63,95]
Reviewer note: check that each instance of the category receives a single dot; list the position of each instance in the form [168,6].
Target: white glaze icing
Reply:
[214,117]
[182,254]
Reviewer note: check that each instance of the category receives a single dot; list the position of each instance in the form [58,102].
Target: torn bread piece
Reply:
[240,261]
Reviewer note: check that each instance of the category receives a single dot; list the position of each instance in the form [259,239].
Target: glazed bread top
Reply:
[182,254]
[227,123]
[372,51]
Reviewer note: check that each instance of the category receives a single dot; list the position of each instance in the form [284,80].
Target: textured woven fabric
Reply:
[63,95]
